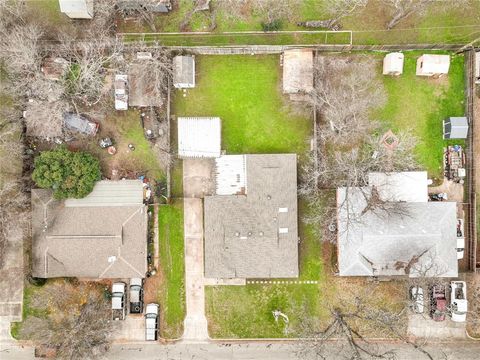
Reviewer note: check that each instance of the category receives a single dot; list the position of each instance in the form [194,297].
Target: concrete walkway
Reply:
[195,325]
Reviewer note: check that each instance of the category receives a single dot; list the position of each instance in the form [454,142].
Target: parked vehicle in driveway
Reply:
[460,239]
[438,305]
[136,296]
[458,301]
[151,322]
[118,301]
[416,295]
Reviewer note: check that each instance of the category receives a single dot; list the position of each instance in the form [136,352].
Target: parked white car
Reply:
[151,322]
[136,296]
[460,239]
[458,301]
[118,301]
[121,95]
[416,295]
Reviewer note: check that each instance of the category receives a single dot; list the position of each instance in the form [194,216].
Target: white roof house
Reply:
[393,64]
[433,65]
[184,72]
[199,137]
[77,9]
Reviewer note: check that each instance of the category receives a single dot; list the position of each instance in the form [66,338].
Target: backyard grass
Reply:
[420,105]
[171,294]
[244,91]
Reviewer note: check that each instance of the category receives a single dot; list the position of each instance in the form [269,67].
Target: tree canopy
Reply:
[69,174]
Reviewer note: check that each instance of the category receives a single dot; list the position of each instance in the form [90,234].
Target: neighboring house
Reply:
[251,226]
[160,6]
[54,68]
[184,72]
[297,71]
[393,64]
[433,65]
[77,9]
[141,88]
[80,124]
[199,137]
[121,96]
[455,128]
[405,235]
[103,235]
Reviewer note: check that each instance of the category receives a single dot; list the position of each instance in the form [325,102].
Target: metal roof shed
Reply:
[393,64]
[433,65]
[455,128]
[184,72]
[199,137]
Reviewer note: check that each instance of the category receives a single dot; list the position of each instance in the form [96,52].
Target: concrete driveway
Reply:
[130,329]
[422,326]
[198,177]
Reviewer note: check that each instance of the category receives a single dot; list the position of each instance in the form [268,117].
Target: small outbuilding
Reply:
[199,137]
[297,71]
[393,64]
[455,128]
[433,65]
[184,72]
[77,9]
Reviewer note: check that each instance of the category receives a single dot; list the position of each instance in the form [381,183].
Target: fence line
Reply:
[471,213]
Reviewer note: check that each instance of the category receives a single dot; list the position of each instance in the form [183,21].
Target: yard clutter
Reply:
[454,160]
[433,65]
[393,64]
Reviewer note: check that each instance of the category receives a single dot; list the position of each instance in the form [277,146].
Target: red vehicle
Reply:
[438,306]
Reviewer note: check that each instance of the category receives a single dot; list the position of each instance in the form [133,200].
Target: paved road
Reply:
[257,351]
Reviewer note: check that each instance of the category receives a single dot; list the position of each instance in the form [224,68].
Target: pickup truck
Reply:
[136,296]
[151,322]
[118,301]
[458,301]
[438,306]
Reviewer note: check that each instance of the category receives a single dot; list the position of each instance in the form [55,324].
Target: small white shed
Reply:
[455,128]
[184,72]
[433,65]
[393,64]
[199,137]
[77,9]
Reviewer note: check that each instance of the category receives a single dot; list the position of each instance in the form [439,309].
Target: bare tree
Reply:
[45,121]
[346,90]
[336,9]
[402,9]
[78,321]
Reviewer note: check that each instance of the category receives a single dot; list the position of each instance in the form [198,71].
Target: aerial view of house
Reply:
[239,179]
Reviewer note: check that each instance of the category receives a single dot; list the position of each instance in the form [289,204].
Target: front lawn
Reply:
[171,295]
[245,92]
[420,105]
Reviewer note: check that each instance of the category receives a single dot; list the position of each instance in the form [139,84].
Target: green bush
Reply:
[274,25]
[69,174]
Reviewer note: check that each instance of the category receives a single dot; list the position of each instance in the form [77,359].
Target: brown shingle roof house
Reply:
[103,235]
[251,228]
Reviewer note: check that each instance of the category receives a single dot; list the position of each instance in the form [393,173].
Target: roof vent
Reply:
[274,218]
[260,233]
[249,233]
[112,259]
[269,197]
[237,234]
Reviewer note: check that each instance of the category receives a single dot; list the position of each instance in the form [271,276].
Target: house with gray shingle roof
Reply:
[405,236]
[103,235]
[251,226]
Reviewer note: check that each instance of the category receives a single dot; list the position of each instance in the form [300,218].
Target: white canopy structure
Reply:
[77,9]
[199,137]
[393,64]
[433,65]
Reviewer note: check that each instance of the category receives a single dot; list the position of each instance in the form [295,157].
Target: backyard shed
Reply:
[433,65]
[184,72]
[393,64]
[199,137]
[77,9]
[297,71]
[455,128]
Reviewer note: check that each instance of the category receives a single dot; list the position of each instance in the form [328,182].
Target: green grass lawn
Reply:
[171,295]
[420,105]
[246,311]
[244,91]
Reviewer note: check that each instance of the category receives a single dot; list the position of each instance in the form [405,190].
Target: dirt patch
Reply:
[151,286]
